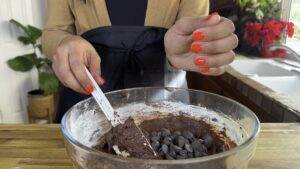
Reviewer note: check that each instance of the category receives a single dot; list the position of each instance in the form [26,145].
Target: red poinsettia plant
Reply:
[263,35]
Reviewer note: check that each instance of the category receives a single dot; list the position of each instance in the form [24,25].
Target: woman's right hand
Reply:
[69,62]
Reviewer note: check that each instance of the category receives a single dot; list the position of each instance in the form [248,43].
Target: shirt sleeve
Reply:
[193,8]
[59,25]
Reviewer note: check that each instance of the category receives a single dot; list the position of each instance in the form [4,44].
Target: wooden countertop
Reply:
[42,147]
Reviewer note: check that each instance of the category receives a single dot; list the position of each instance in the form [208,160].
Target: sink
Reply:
[260,67]
[279,77]
[285,84]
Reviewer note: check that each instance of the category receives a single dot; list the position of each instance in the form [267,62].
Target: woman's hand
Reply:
[69,62]
[201,45]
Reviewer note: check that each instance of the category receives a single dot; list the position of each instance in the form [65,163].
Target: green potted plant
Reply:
[40,101]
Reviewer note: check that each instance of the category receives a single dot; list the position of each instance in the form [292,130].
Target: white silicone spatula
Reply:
[114,119]
[103,103]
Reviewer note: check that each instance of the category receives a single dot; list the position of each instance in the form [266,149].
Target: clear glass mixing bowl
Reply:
[83,156]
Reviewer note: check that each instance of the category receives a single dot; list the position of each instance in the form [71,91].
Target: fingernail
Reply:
[89,88]
[196,48]
[204,70]
[100,80]
[200,61]
[211,15]
[198,36]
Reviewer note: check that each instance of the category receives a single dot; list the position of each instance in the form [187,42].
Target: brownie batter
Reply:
[172,137]
[129,139]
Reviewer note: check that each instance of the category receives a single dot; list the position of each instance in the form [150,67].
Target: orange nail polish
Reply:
[200,61]
[89,89]
[211,15]
[198,36]
[196,48]
[204,70]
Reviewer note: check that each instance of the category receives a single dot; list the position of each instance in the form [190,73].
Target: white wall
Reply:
[14,85]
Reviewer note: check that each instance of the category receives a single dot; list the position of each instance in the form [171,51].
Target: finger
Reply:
[221,30]
[77,65]
[185,62]
[70,80]
[55,69]
[187,25]
[212,71]
[215,61]
[215,47]
[58,59]
[64,74]
[94,67]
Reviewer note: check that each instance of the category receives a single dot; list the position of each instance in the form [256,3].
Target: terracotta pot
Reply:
[39,105]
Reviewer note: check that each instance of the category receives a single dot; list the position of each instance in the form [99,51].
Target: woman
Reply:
[128,42]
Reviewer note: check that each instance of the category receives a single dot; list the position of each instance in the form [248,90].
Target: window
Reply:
[294,17]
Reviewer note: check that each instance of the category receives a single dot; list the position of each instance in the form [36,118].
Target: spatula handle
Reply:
[103,102]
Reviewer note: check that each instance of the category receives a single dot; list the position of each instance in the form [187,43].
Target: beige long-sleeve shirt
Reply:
[74,17]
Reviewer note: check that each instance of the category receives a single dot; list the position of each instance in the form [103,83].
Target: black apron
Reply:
[131,56]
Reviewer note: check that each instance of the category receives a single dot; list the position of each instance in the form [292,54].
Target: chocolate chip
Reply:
[169,157]
[180,157]
[188,148]
[173,137]
[197,146]
[172,153]
[208,140]
[165,149]
[190,155]
[181,141]
[155,145]
[204,154]
[187,134]
[214,119]
[197,153]
[156,134]
[155,138]
[192,139]
[165,132]
[183,153]
[161,153]
[177,133]
[167,140]
[203,149]
[175,148]
[201,141]
[221,148]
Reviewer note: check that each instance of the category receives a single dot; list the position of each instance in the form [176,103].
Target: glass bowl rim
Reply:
[245,144]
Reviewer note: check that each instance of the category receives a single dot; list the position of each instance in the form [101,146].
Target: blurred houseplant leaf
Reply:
[47,80]
[20,63]
[40,47]
[19,25]
[34,33]
[24,40]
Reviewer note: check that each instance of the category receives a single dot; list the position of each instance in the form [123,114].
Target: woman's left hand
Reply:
[201,45]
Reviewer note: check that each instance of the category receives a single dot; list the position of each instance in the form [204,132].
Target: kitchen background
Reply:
[15,85]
